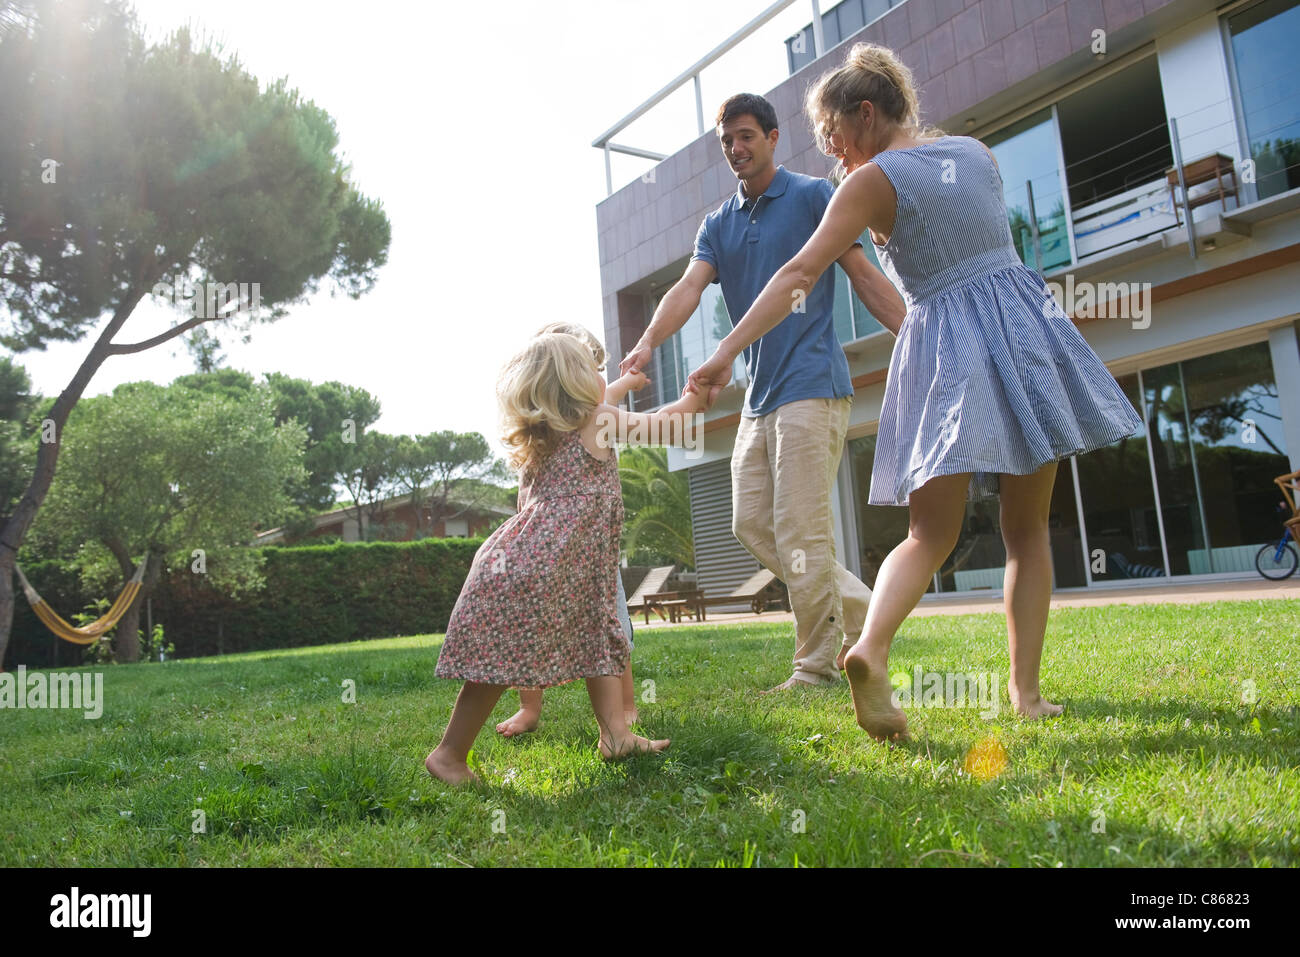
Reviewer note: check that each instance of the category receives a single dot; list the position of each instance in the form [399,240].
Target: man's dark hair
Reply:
[750,103]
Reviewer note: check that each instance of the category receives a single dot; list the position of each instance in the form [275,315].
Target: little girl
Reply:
[989,385]
[538,607]
[530,699]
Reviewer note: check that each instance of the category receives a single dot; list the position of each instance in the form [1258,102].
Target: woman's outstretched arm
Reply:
[865,199]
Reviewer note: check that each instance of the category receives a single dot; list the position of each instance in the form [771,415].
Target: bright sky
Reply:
[472,122]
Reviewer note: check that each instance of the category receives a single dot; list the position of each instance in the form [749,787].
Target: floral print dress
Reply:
[539,605]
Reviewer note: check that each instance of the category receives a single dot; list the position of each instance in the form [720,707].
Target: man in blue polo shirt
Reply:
[796,412]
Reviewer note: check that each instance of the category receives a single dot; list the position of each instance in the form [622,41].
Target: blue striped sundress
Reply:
[988,375]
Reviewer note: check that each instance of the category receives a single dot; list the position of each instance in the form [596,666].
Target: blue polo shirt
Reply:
[746,242]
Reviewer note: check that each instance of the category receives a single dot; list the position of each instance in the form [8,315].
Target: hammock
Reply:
[86,634]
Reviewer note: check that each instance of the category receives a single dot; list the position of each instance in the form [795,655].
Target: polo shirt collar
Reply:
[774,188]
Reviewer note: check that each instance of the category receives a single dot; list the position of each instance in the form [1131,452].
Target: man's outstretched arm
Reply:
[674,310]
[874,289]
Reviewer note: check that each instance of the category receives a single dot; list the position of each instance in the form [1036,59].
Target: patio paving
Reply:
[1188,593]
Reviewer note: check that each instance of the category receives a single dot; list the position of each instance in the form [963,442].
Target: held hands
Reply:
[639,358]
[709,380]
[635,381]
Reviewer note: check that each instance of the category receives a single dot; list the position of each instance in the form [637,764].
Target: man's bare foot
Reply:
[632,744]
[1035,707]
[631,717]
[793,682]
[521,722]
[451,771]
[873,699]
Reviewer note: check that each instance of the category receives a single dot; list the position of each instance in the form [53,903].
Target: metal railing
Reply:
[692,73]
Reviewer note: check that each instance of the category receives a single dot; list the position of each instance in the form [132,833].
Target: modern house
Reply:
[399,519]
[1150,151]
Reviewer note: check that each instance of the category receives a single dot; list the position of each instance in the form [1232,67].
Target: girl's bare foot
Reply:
[521,722]
[449,769]
[633,744]
[839,659]
[1035,707]
[873,699]
[631,717]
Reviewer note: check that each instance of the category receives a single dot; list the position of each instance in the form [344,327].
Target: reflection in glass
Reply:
[692,345]
[1119,507]
[843,309]
[880,527]
[1232,400]
[1028,151]
[1264,41]
[864,323]
[978,561]
[1176,477]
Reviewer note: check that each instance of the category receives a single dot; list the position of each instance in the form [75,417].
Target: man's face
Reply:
[747,150]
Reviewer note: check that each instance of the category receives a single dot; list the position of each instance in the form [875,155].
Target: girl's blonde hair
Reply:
[581,333]
[870,72]
[545,390]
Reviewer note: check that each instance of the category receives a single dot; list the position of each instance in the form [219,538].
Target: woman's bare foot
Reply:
[839,659]
[521,722]
[1035,707]
[633,744]
[873,699]
[631,717]
[449,769]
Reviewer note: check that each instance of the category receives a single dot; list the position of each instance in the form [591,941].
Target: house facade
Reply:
[1113,121]
[399,519]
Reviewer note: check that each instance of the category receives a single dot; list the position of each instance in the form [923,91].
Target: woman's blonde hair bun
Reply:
[870,72]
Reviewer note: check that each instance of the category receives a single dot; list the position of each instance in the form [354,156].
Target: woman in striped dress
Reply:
[989,385]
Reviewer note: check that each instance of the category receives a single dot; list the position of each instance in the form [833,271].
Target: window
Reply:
[838,24]
[1264,40]
[691,346]
[1028,152]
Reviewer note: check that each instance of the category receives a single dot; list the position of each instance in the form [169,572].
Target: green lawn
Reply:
[1156,745]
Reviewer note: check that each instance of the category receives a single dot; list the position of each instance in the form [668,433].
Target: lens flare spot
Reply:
[986,759]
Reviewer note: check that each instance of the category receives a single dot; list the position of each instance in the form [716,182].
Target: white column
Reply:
[1285,353]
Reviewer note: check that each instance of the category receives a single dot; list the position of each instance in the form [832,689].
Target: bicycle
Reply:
[1278,560]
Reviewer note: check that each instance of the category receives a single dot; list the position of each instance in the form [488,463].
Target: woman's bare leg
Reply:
[474,706]
[936,511]
[1027,584]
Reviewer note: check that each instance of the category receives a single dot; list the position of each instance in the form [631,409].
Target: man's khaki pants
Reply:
[782,473]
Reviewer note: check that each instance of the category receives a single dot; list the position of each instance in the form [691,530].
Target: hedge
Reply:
[314,595]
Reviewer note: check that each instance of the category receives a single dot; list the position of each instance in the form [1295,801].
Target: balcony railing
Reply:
[692,74]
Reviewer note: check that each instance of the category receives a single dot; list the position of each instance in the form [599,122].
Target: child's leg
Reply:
[1027,583]
[935,515]
[526,718]
[629,696]
[473,707]
[616,741]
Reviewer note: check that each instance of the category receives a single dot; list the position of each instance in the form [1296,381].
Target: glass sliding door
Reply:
[880,527]
[1170,434]
[1029,151]
[1232,402]
[1119,505]
[1189,493]
[1264,40]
